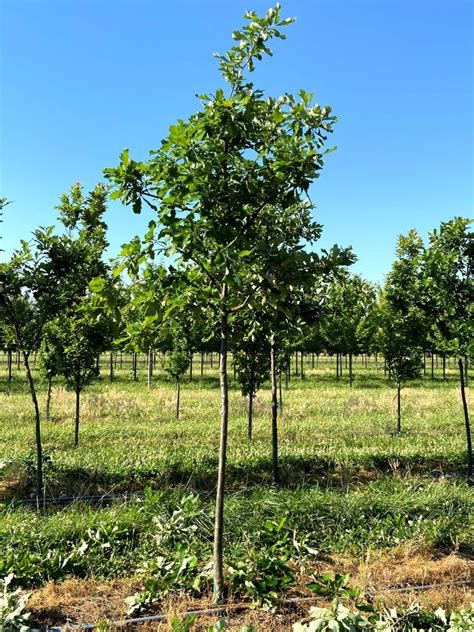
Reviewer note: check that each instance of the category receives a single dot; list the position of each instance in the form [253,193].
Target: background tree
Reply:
[448,266]
[403,324]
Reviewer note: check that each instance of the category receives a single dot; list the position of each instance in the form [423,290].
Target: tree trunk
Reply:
[337,366]
[178,394]
[444,367]
[296,364]
[466,420]
[135,362]
[191,369]
[302,365]
[202,364]
[9,366]
[250,417]
[399,409]
[150,368]
[39,446]
[111,371]
[276,472]
[219,518]
[48,397]
[312,360]
[280,394]
[77,418]
[432,365]
[350,370]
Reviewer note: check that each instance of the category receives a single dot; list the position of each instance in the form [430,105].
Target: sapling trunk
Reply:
[178,394]
[275,467]
[77,417]
[149,369]
[399,408]
[432,365]
[296,364]
[219,517]
[48,397]
[111,371]
[39,446]
[466,421]
[302,365]
[280,394]
[202,364]
[9,366]
[250,416]
[337,366]
[444,367]
[350,370]
[191,368]
[134,360]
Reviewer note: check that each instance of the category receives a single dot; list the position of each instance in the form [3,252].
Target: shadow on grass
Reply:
[295,472]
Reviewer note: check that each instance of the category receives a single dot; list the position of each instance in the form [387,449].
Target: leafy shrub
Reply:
[265,574]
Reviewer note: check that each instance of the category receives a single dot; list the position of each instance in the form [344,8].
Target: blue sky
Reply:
[82,79]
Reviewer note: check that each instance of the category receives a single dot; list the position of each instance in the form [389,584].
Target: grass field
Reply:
[391,510]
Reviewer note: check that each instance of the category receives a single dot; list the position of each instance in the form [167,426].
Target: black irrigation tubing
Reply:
[239,607]
[67,500]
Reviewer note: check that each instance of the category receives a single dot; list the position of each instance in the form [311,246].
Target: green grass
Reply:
[349,483]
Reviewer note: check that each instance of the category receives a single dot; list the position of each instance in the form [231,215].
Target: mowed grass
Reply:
[350,485]
[328,433]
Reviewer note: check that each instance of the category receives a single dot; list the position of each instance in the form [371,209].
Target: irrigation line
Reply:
[237,607]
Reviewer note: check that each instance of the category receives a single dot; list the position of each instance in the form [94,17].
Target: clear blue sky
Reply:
[82,79]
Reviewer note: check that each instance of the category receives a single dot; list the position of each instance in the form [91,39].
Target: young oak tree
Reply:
[222,183]
[402,322]
[35,285]
[448,267]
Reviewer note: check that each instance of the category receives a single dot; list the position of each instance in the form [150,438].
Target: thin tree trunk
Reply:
[337,366]
[9,366]
[296,364]
[276,472]
[178,394]
[191,369]
[135,362]
[399,409]
[77,418]
[250,416]
[48,397]
[202,364]
[39,446]
[150,369]
[350,370]
[219,518]
[302,365]
[432,365]
[280,394]
[466,421]
[312,360]
[111,371]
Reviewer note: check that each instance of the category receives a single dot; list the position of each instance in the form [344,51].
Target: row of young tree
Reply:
[229,261]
